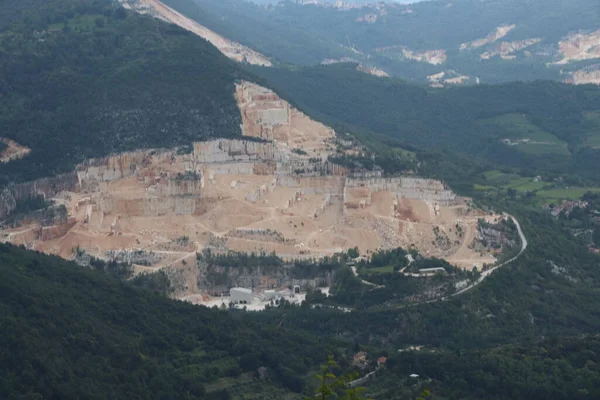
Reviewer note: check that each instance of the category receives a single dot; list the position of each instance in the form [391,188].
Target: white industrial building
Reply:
[271,294]
[240,295]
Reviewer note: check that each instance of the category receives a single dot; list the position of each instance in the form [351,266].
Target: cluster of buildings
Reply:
[240,295]
[361,361]
[567,206]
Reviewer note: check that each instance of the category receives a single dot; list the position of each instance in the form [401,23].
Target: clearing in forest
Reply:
[517,131]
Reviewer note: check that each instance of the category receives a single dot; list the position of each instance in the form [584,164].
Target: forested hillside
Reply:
[557,369]
[74,333]
[553,120]
[70,333]
[86,78]
[396,37]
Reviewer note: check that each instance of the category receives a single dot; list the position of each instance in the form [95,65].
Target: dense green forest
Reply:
[557,369]
[86,78]
[308,34]
[75,333]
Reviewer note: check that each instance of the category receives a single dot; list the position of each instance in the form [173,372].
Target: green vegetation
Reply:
[468,120]
[567,193]
[308,34]
[558,369]
[530,190]
[593,138]
[331,384]
[74,333]
[85,78]
[523,135]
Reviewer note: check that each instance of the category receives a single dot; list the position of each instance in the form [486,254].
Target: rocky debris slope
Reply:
[497,34]
[231,49]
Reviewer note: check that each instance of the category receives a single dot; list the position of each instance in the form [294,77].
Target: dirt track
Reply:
[250,197]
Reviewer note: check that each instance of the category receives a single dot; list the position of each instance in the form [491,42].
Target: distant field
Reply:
[500,180]
[546,192]
[544,148]
[564,193]
[526,185]
[517,127]
[499,177]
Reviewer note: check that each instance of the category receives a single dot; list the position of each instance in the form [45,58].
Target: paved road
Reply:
[483,276]
[487,273]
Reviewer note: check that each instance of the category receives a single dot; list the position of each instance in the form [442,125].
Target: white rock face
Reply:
[408,187]
[223,150]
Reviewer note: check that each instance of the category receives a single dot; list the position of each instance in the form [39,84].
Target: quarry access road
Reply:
[484,274]
[363,281]
[487,273]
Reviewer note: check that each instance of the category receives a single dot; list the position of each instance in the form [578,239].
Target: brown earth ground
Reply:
[314,216]
[14,151]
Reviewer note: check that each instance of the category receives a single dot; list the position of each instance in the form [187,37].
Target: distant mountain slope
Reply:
[539,125]
[233,50]
[491,41]
[80,79]
[73,333]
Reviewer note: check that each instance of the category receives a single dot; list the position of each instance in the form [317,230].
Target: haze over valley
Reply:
[205,199]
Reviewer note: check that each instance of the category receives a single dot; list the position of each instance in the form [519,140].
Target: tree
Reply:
[332,385]
[596,236]
[353,253]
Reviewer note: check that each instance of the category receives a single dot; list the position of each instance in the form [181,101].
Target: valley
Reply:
[224,199]
[507,41]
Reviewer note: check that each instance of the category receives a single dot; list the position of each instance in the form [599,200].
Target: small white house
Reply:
[240,295]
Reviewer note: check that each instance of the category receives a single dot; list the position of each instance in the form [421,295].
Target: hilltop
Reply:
[87,79]
[440,43]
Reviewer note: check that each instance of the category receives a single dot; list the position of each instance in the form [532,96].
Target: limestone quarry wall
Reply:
[226,168]
[407,187]
[119,166]
[215,279]
[46,187]
[151,207]
[56,231]
[24,237]
[321,209]
[224,150]
[182,187]
[333,185]
[41,232]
